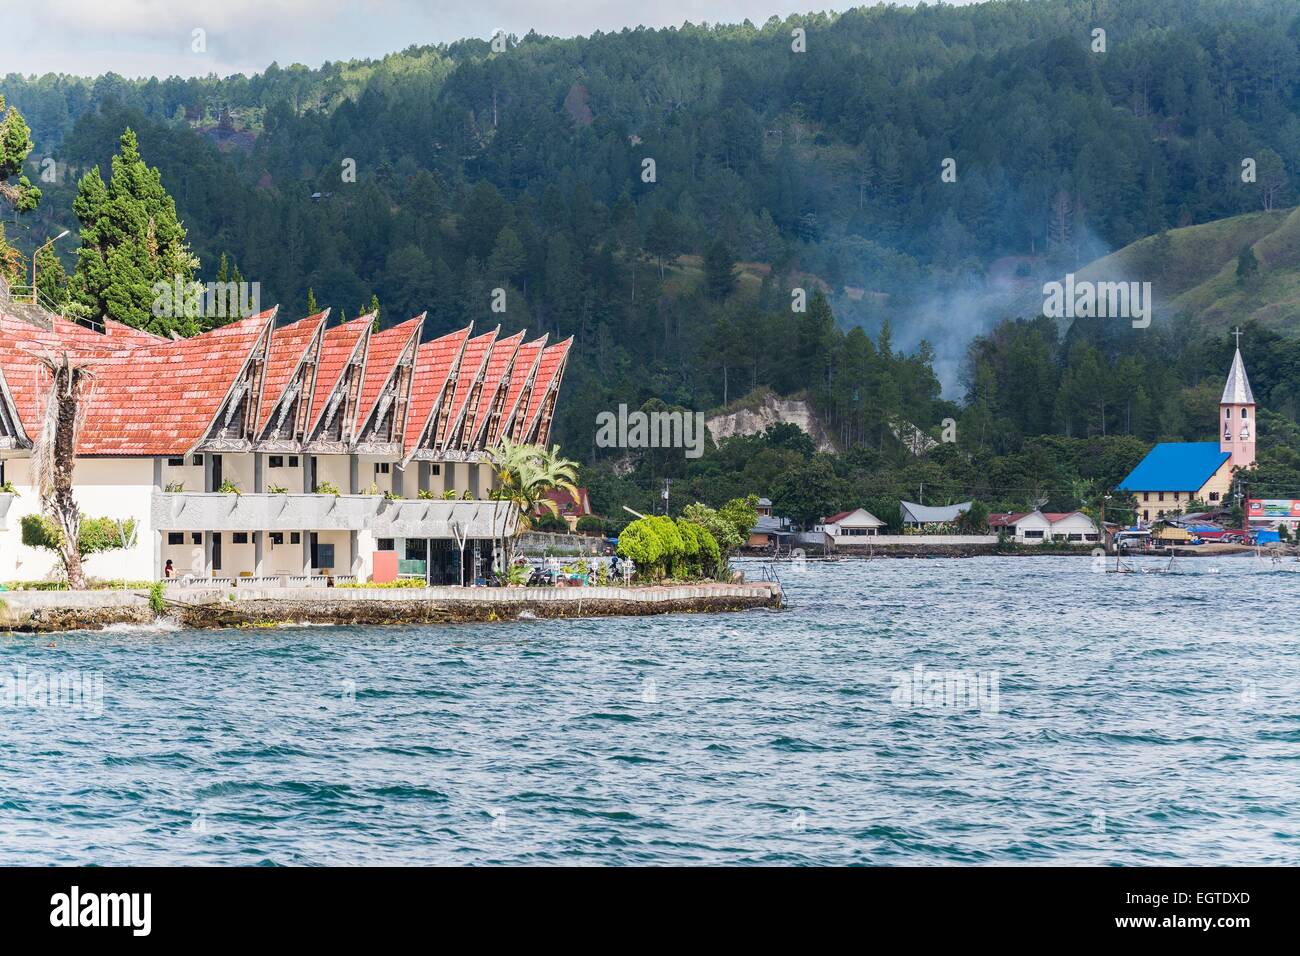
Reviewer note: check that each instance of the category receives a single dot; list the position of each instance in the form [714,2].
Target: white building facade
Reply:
[255,451]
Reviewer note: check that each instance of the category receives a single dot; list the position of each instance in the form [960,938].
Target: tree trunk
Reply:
[54,460]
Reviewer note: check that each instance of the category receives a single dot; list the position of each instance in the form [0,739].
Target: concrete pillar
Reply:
[399,479]
[449,476]
[257,473]
[354,546]
[307,486]
[259,538]
[306,552]
[422,475]
[157,555]
[474,480]
[354,474]
[207,549]
[207,473]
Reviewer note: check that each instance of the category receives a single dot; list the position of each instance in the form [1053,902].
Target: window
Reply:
[176,462]
[196,537]
[277,461]
[295,537]
[277,537]
[198,459]
[1146,516]
[381,468]
[175,537]
[1162,495]
[1175,496]
[293,461]
[1214,496]
[1074,537]
[239,537]
[1227,413]
[1146,496]
[1033,534]
[385,544]
[1243,413]
[435,469]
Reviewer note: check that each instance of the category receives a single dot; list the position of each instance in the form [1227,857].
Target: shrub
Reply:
[156,598]
[8,488]
[277,490]
[97,534]
[174,487]
[425,495]
[591,524]
[327,488]
[228,487]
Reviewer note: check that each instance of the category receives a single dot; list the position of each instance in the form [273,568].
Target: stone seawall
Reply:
[42,611]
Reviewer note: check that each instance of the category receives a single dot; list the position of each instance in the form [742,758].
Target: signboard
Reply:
[1272,509]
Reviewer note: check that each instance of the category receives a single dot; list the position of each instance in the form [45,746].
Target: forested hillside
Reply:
[526,170]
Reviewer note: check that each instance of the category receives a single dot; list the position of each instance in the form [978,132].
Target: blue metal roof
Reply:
[1176,466]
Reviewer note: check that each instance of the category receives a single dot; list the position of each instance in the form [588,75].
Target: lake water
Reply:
[1059,715]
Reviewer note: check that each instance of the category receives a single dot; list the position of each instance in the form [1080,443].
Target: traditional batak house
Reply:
[1174,473]
[263,451]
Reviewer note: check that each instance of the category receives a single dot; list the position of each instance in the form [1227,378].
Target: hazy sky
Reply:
[154,37]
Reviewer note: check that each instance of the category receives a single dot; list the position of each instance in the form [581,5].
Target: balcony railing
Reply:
[384,517]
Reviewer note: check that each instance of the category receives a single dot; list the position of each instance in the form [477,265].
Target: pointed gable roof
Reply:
[525,368]
[336,351]
[548,372]
[500,365]
[1236,391]
[289,346]
[472,367]
[161,400]
[434,362]
[382,355]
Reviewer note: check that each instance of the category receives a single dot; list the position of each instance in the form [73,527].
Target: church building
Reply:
[1174,473]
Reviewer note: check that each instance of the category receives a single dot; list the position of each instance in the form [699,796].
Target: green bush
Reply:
[327,488]
[156,601]
[591,524]
[97,534]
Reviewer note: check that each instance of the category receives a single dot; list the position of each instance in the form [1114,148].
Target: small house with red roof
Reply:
[1040,527]
[846,526]
[571,507]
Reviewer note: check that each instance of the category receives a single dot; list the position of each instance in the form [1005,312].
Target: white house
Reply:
[858,523]
[256,450]
[1038,527]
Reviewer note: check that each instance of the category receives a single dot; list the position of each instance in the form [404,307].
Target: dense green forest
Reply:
[772,170]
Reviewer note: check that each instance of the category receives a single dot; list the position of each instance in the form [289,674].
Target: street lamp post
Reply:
[35,300]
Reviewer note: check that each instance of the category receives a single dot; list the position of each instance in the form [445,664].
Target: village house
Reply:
[1175,473]
[1038,527]
[918,516]
[258,450]
[846,526]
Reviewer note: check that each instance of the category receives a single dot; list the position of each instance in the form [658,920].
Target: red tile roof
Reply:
[336,350]
[498,367]
[155,396]
[433,364]
[289,344]
[526,362]
[161,400]
[382,353]
[472,367]
[547,373]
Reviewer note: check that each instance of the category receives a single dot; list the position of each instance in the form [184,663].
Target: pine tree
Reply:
[312,307]
[15,189]
[132,247]
[720,276]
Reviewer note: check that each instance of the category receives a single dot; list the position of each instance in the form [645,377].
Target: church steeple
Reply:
[1237,413]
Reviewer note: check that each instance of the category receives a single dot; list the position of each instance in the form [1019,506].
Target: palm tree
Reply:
[526,473]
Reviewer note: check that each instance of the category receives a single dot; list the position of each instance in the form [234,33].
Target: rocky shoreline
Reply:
[53,611]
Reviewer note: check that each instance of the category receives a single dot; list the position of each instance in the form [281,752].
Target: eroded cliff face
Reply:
[755,413]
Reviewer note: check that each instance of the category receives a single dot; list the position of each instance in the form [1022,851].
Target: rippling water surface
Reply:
[1138,719]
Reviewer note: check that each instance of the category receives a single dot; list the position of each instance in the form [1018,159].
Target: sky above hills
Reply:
[156,37]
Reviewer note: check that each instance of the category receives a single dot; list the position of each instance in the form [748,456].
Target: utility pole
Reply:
[667,484]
